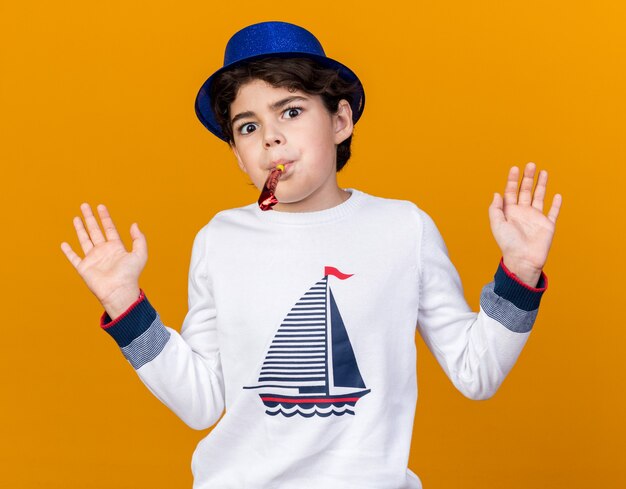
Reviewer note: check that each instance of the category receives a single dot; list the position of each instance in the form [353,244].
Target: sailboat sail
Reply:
[345,369]
[311,354]
[297,355]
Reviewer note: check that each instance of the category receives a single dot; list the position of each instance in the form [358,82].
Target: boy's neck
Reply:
[315,202]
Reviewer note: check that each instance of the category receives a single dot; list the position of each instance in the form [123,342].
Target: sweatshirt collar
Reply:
[316,217]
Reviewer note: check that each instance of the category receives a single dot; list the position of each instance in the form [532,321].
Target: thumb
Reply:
[140,245]
[496,212]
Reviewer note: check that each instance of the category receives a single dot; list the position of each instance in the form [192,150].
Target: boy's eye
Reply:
[292,112]
[247,128]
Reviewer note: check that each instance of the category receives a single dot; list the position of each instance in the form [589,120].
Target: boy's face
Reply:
[274,126]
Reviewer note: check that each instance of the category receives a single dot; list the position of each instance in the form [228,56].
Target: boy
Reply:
[301,319]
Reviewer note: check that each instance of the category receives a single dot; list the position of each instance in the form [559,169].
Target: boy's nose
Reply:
[272,137]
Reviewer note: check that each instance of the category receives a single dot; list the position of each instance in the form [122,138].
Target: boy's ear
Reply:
[239,161]
[343,122]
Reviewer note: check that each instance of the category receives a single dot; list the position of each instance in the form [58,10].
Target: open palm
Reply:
[521,229]
[108,269]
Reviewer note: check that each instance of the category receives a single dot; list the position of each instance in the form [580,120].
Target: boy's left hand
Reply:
[522,231]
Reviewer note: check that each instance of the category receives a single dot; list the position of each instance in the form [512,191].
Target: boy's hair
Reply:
[293,73]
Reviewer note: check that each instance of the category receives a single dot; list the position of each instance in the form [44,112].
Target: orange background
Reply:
[97,106]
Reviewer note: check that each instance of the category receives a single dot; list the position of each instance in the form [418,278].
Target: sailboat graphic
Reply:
[310,368]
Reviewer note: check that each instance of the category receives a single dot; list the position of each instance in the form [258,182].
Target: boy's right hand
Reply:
[110,272]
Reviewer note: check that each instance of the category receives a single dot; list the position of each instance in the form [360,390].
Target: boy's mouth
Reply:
[285,163]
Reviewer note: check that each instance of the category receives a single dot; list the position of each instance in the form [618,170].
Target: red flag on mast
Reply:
[336,273]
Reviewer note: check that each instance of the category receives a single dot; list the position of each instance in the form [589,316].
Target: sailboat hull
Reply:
[308,406]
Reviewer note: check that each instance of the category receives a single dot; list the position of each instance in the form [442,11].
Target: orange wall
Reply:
[97,105]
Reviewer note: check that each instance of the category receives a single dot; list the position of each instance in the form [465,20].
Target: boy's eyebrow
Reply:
[242,115]
[285,101]
[275,106]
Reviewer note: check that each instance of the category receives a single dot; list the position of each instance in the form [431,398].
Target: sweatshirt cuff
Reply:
[508,286]
[132,323]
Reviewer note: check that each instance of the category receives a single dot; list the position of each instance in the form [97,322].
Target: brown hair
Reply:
[293,73]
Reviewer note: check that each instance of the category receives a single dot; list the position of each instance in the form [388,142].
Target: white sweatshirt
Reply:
[301,326]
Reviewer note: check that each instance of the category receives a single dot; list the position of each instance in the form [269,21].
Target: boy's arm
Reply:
[477,350]
[182,370]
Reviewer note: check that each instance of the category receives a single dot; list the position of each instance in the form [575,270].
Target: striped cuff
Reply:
[511,302]
[138,331]
[511,288]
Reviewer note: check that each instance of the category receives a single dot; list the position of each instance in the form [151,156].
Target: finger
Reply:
[92,225]
[540,190]
[110,230]
[496,213]
[71,256]
[526,187]
[140,246]
[553,213]
[83,236]
[510,191]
